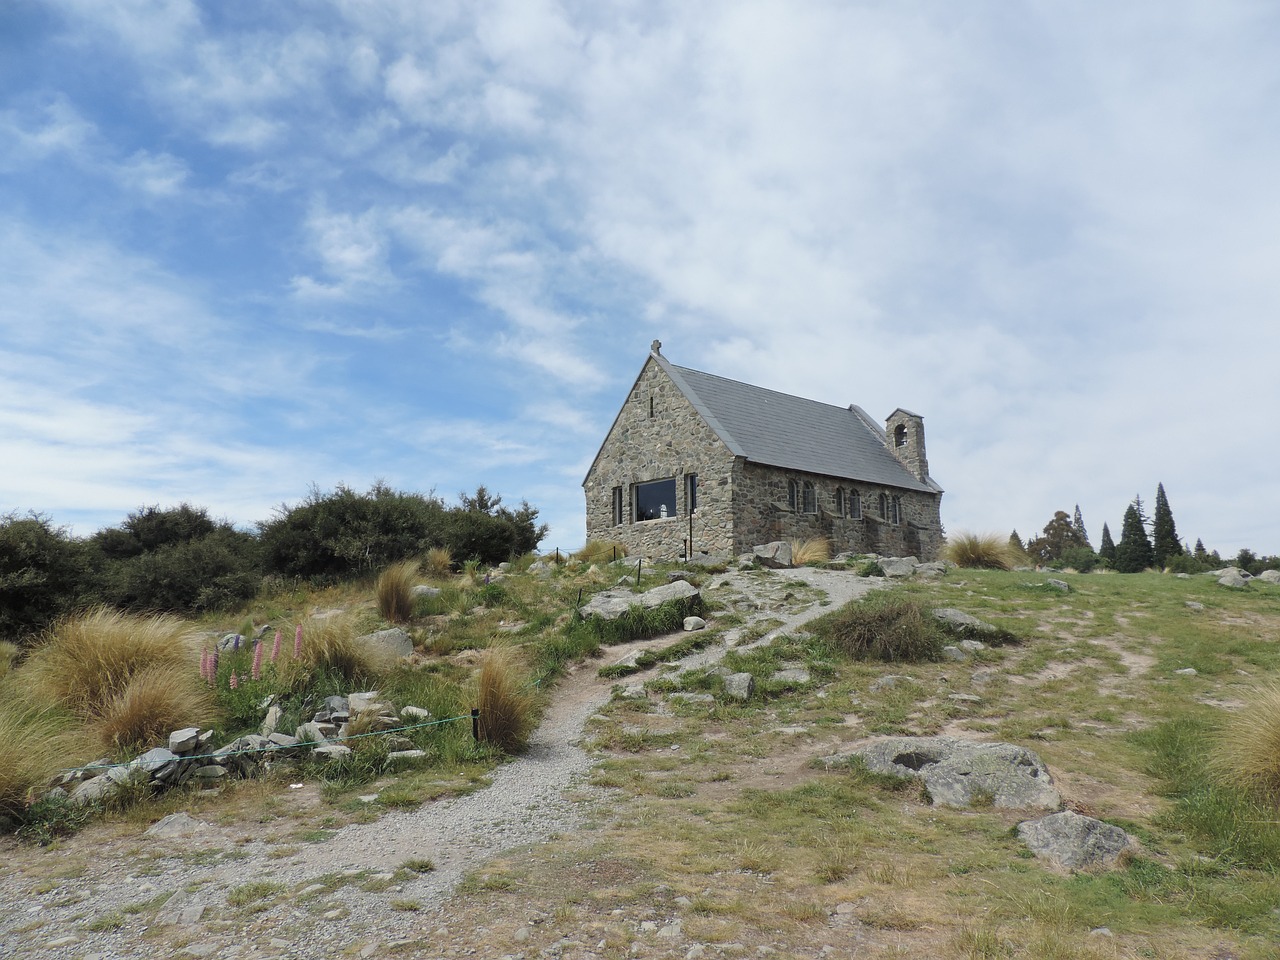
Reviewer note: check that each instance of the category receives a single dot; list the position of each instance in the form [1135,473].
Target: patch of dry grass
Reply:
[86,661]
[981,551]
[438,563]
[330,646]
[505,700]
[34,745]
[155,702]
[601,551]
[395,591]
[808,553]
[1247,749]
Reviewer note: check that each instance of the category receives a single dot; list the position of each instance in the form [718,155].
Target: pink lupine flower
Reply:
[297,642]
[257,660]
[204,664]
[235,681]
[275,648]
[213,664]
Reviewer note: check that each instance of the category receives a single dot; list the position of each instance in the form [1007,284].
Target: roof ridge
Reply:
[754,386]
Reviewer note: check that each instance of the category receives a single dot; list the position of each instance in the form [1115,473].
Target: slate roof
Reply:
[780,430]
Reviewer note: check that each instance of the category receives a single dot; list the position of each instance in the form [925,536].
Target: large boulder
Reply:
[775,555]
[611,604]
[962,773]
[1234,578]
[1269,576]
[896,568]
[1069,840]
[388,646]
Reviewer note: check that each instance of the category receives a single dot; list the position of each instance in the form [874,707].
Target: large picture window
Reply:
[656,499]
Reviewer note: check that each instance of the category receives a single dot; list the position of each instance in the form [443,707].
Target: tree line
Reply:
[181,560]
[1065,543]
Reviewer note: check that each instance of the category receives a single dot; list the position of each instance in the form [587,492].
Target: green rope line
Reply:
[275,746]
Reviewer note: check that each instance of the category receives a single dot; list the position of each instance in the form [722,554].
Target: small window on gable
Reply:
[810,498]
[884,506]
[793,495]
[853,504]
[900,436]
[617,506]
[651,408]
[691,492]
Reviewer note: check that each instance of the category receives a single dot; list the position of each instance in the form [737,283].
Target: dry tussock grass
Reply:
[395,591]
[1247,749]
[981,551]
[600,551]
[505,701]
[330,646]
[807,553]
[438,563]
[156,701]
[86,661]
[34,745]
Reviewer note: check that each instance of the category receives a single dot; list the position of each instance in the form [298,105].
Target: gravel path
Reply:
[525,804]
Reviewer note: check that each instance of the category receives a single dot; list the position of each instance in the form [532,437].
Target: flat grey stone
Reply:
[797,675]
[889,681]
[739,686]
[184,908]
[184,741]
[424,590]
[959,772]
[415,713]
[154,759]
[312,732]
[1061,585]
[1193,605]
[271,720]
[896,568]
[611,604]
[389,646]
[1186,672]
[176,825]
[694,623]
[332,751]
[775,555]
[1072,841]
[406,754]
[692,697]
[966,621]
[99,788]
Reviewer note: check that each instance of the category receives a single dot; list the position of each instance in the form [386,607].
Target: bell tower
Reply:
[904,433]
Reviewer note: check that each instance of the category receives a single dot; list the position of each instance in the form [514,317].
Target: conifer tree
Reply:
[1133,552]
[1077,524]
[1163,533]
[1200,551]
[1015,542]
[1107,547]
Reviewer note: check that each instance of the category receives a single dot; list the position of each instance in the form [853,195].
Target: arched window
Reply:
[896,508]
[884,506]
[810,498]
[793,495]
[853,504]
[900,436]
[839,501]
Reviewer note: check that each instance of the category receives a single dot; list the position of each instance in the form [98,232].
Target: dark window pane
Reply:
[656,499]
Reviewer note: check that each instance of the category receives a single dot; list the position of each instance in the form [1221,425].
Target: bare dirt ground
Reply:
[222,890]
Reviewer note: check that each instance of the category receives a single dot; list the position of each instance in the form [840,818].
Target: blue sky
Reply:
[246,248]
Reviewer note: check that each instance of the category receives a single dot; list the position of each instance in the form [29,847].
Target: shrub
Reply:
[1246,750]
[156,701]
[981,551]
[884,626]
[86,661]
[395,591]
[214,572]
[438,563]
[505,701]
[42,574]
[34,745]
[601,551]
[808,553]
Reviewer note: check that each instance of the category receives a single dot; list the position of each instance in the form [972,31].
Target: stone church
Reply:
[698,463]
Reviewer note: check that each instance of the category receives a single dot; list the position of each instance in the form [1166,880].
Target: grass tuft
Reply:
[810,553]
[505,702]
[438,563]
[86,661]
[981,551]
[1246,750]
[395,591]
[883,626]
[329,646]
[156,701]
[601,551]
[34,745]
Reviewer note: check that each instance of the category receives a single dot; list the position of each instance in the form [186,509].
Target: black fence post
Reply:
[639,564]
[475,723]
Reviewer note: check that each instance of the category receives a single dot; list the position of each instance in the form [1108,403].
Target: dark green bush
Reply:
[1078,558]
[43,572]
[150,528]
[216,571]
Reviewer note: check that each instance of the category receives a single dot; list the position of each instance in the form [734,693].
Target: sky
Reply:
[248,249]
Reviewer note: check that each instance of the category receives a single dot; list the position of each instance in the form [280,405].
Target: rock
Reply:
[898,567]
[1269,576]
[694,623]
[395,755]
[632,691]
[99,789]
[1072,841]
[423,590]
[415,713]
[366,702]
[176,825]
[271,720]
[184,741]
[313,732]
[1186,672]
[692,697]
[332,751]
[1234,578]
[739,686]
[611,604]
[966,622]
[389,646]
[671,931]
[958,773]
[931,570]
[982,677]
[964,698]
[1061,585]
[184,908]
[889,681]
[153,760]
[1193,605]
[796,675]
[209,772]
[952,652]
[775,555]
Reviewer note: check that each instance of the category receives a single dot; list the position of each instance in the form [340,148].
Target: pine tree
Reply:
[1015,542]
[1200,551]
[1107,548]
[1077,523]
[1133,552]
[1163,532]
